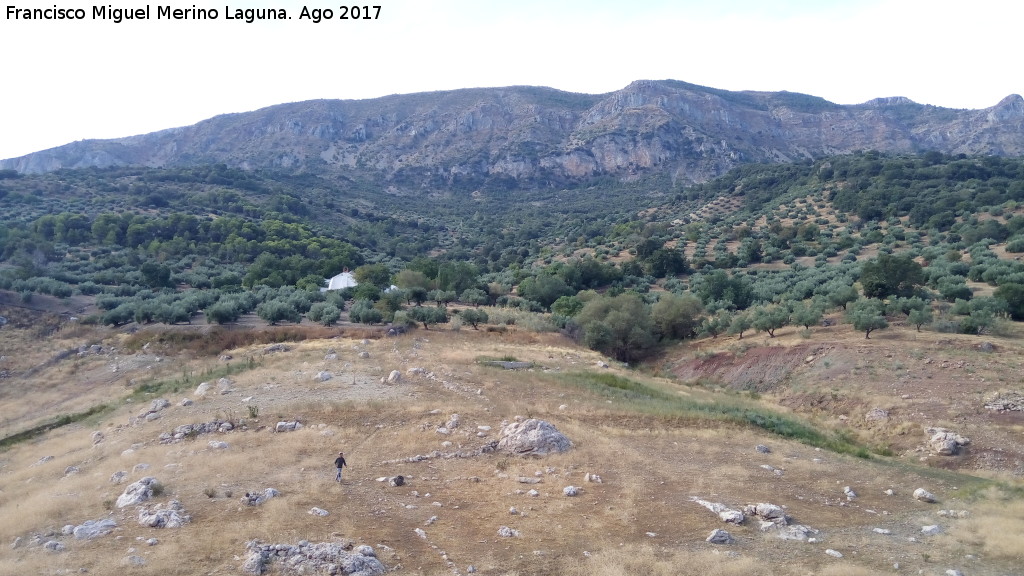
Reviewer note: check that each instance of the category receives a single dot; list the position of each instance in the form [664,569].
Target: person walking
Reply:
[339,463]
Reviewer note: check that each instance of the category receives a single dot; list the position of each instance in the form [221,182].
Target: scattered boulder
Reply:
[275,348]
[186,402]
[953,513]
[590,477]
[54,546]
[171,515]
[364,354]
[257,498]
[719,536]
[834,553]
[506,532]
[453,422]
[323,376]
[876,414]
[93,529]
[763,449]
[330,356]
[202,390]
[397,480]
[797,532]
[987,346]
[571,491]
[724,512]
[931,530]
[924,496]
[532,437]
[225,386]
[768,512]
[288,426]
[318,511]
[118,477]
[138,492]
[394,377]
[850,494]
[71,470]
[159,404]
[945,442]
[97,437]
[43,460]
[218,445]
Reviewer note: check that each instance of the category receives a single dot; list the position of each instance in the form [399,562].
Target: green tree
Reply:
[362,311]
[920,317]
[428,315]
[717,323]
[544,288]
[841,295]
[567,306]
[806,315]
[867,315]
[740,324]
[275,311]
[675,316]
[769,319]
[891,276]
[474,316]
[1013,295]
[474,296]
[619,326]
[377,274]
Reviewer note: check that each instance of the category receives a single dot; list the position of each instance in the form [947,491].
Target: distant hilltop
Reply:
[523,136]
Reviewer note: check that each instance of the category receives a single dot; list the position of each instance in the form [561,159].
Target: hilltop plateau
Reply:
[644,447]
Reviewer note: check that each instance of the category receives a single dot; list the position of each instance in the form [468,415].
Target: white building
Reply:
[340,282]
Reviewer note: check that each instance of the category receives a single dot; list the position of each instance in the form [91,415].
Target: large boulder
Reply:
[137,492]
[532,437]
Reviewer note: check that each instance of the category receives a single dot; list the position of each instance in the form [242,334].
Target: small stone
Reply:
[571,491]
[763,449]
[924,496]
[930,530]
[834,553]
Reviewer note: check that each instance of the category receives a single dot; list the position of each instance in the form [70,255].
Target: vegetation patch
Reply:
[58,422]
[641,397]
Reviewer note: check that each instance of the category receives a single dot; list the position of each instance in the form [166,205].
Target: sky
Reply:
[68,80]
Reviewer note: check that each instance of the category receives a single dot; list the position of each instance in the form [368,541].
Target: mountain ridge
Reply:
[532,137]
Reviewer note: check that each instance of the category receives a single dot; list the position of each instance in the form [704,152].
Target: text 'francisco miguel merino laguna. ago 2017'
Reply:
[249,15]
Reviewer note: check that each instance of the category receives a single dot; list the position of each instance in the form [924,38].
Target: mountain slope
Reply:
[520,137]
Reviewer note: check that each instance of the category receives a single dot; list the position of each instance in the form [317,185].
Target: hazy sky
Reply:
[74,80]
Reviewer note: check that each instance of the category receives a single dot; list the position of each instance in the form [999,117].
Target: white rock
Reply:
[202,390]
[885,531]
[318,511]
[137,492]
[93,529]
[394,377]
[218,445]
[924,495]
[571,491]
[834,553]
[931,530]
[506,532]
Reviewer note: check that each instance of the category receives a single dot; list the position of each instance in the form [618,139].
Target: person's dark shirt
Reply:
[339,462]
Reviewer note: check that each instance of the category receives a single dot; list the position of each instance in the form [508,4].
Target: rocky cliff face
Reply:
[527,136]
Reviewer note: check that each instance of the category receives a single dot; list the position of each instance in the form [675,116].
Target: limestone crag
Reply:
[529,136]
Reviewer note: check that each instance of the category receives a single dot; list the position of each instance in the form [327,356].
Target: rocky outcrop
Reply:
[334,558]
[528,135]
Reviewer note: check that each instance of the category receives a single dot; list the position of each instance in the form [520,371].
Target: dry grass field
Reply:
[652,455]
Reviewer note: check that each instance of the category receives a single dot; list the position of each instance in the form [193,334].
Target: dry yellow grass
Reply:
[638,520]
